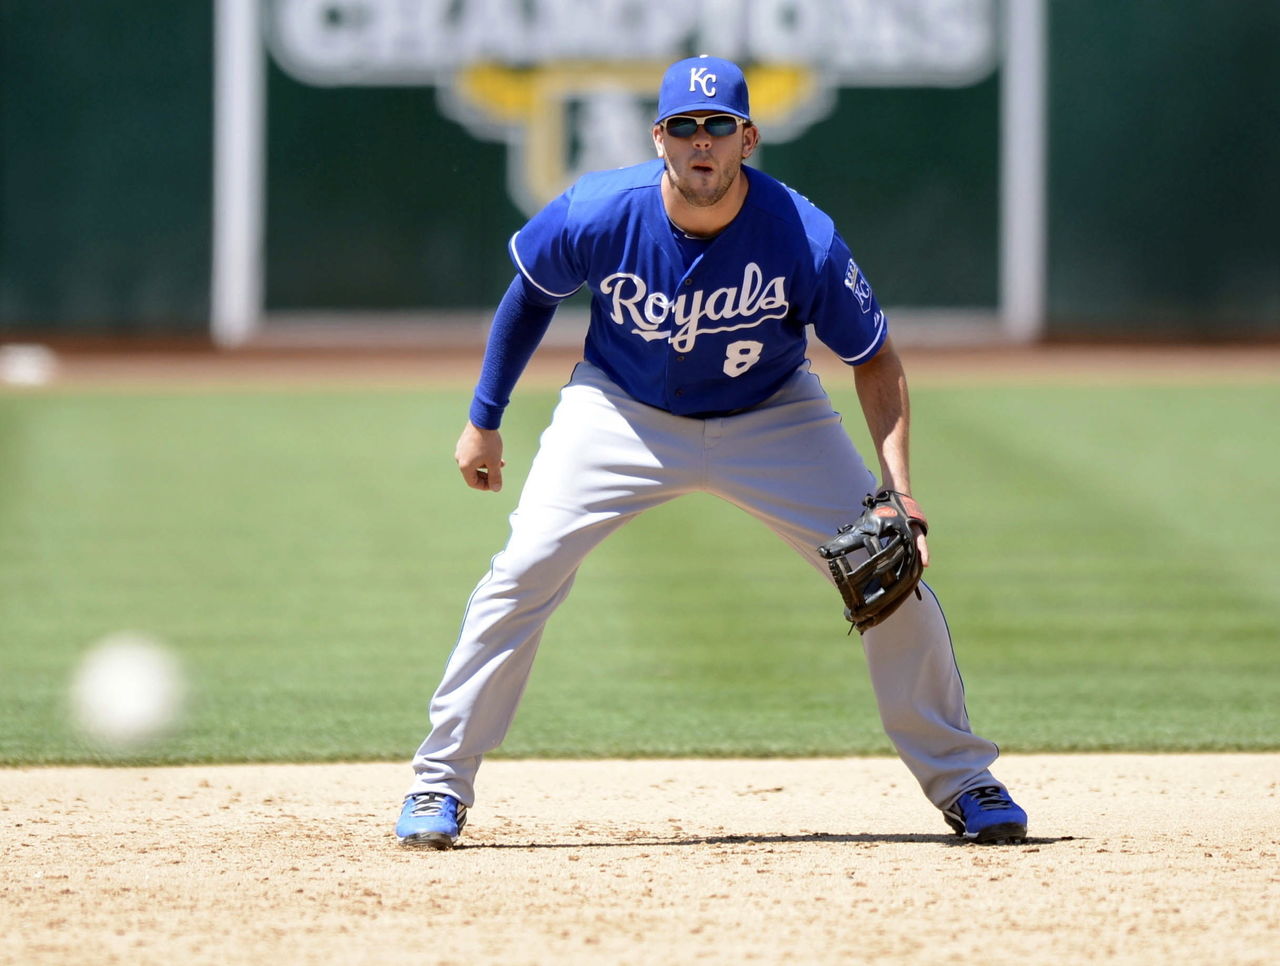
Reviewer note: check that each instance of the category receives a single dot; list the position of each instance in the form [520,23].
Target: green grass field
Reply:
[1107,557]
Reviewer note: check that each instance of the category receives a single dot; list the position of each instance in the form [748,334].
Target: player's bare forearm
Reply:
[479,457]
[886,406]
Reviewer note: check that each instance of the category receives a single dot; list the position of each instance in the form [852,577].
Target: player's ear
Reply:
[750,140]
[657,140]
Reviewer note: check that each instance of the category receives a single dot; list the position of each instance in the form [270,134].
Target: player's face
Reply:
[702,165]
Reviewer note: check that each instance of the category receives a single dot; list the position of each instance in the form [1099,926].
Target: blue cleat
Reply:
[987,816]
[431,820]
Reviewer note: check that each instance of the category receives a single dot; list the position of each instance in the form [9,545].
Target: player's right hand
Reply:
[479,457]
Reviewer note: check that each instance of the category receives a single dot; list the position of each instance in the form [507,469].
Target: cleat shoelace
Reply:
[991,798]
[428,805]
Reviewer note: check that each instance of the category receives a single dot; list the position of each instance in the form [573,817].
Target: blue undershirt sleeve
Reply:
[519,323]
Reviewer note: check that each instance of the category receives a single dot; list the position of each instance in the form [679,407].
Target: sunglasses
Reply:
[717,125]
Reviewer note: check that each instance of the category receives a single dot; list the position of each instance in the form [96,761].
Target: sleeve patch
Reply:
[858,285]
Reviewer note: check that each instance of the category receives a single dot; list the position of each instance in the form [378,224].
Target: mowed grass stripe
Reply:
[1105,555]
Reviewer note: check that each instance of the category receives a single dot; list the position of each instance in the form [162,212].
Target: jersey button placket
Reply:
[679,357]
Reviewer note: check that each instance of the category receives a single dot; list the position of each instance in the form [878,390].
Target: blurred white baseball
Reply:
[128,689]
[27,365]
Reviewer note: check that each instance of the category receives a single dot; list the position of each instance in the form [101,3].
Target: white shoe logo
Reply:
[699,77]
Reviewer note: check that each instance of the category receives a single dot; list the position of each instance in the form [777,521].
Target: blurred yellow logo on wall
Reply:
[571,85]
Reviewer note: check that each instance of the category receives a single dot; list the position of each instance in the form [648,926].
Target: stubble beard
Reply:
[705,197]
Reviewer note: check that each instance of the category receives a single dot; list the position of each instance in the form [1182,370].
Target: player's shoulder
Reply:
[771,198]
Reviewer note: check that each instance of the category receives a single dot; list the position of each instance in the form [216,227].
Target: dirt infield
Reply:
[1132,859]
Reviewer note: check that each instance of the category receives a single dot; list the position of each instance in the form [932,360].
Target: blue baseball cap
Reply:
[703,84]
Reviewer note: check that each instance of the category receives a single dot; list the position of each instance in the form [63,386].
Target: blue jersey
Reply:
[699,327]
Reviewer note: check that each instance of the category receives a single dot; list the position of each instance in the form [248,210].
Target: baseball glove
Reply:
[875,587]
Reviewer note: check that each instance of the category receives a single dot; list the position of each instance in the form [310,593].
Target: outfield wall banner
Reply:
[405,140]
[569,85]
[472,114]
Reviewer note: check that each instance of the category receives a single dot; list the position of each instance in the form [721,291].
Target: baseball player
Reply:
[704,275]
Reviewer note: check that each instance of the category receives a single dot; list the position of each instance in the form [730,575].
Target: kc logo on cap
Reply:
[703,84]
[701,77]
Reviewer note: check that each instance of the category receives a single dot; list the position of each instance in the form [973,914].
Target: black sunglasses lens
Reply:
[720,125]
